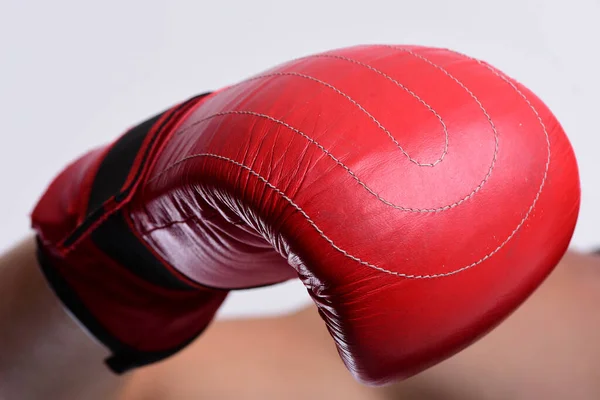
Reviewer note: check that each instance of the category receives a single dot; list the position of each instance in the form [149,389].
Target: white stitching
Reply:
[354,176]
[365,263]
[360,107]
[332,243]
[403,87]
[336,160]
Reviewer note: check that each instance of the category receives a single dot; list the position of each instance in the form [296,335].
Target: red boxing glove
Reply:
[419,194]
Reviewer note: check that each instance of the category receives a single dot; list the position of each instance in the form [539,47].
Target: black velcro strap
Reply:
[124,357]
[119,172]
[116,176]
[116,166]
[115,239]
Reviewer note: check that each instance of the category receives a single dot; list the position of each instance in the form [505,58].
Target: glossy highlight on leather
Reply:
[421,195]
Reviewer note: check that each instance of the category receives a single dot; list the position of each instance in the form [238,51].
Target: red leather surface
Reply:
[419,194]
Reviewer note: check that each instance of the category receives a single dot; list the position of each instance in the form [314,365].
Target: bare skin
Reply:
[548,349]
[44,353]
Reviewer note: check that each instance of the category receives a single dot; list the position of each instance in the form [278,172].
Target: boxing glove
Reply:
[419,194]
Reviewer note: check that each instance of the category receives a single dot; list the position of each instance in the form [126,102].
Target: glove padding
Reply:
[419,194]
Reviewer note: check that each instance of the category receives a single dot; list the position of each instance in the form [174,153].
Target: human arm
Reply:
[547,349]
[44,353]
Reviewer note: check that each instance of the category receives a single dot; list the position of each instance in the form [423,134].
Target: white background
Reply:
[75,74]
